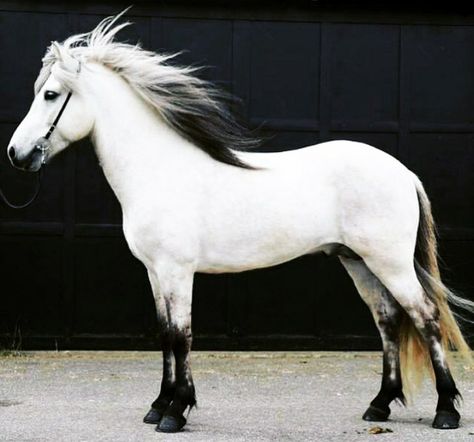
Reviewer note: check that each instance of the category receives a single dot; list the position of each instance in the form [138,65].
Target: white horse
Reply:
[194,201]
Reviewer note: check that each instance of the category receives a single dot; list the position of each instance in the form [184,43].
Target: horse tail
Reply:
[414,354]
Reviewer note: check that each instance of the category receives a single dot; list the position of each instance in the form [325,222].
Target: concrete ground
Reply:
[103,396]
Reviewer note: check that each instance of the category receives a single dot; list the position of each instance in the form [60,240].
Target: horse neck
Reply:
[134,145]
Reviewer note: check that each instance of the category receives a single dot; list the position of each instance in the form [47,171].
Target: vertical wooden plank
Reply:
[404,97]
[325,82]
[241,61]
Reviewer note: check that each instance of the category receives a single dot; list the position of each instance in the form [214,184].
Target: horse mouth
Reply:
[31,163]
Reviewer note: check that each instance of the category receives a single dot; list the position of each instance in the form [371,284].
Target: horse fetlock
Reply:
[186,395]
[162,403]
[395,393]
[448,399]
[386,395]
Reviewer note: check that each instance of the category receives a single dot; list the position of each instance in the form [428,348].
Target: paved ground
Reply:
[102,396]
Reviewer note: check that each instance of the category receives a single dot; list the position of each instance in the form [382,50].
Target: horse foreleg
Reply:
[388,316]
[168,384]
[176,285]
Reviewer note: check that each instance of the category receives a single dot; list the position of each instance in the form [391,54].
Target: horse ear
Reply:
[56,50]
[68,62]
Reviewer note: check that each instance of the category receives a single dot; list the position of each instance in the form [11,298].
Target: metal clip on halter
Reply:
[43,147]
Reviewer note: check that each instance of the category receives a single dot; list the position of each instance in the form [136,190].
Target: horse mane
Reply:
[193,107]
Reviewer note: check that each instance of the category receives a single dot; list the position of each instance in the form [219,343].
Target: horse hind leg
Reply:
[423,308]
[388,316]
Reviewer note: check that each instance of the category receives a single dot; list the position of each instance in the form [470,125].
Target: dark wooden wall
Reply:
[400,80]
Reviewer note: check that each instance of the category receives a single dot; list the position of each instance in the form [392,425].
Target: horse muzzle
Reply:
[34,159]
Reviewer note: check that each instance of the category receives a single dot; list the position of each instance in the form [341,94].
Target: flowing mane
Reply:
[195,108]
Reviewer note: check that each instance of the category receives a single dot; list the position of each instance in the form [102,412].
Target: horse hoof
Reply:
[153,417]
[374,414]
[171,424]
[446,420]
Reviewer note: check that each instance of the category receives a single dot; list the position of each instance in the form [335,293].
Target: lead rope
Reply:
[30,201]
[42,145]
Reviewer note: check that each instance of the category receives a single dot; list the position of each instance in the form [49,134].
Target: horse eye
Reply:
[50,95]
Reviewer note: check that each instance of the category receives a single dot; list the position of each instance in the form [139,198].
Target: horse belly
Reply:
[267,241]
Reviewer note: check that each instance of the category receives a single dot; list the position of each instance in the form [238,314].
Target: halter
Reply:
[43,145]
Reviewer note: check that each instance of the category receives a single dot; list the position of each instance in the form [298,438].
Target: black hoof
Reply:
[153,417]
[171,424]
[374,414]
[446,420]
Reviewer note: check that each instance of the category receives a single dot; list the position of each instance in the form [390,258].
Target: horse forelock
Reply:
[192,106]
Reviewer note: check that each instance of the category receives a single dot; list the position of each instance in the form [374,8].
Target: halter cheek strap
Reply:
[56,120]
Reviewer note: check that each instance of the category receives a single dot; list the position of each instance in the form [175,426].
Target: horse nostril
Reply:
[11,152]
